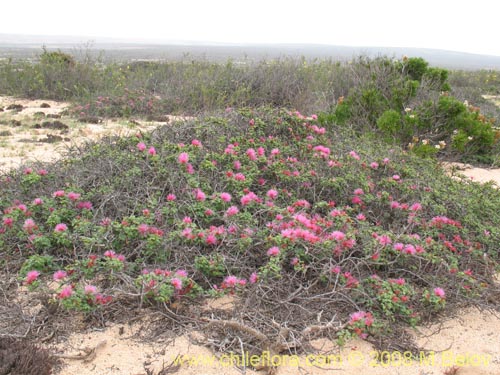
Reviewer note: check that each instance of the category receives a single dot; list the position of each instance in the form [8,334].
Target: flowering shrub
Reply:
[291,216]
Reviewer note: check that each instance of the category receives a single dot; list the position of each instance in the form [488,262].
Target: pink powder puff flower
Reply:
[253,278]
[230,281]
[196,143]
[66,292]
[171,197]
[272,194]
[183,158]
[374,165]
[42,172]
[59,275]
[237,165]
[59,193]
[73,196]
[143,229]
[275,151]
[354,155]
[226,197]
[29,225]
[110,254]
[416,207]
[338,236]
[239,177]
[252,155]
[177,283]
[181,273]
[200,195]
[358,191]
[37,201]
[31,277]
[398,246]
[273,251]
[211,240]
[141,146]
[189,168]
[233,210]
[90,289]
[61,227]
[187,220]
[152,151]
[439,292]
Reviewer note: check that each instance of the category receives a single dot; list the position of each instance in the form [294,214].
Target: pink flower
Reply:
[61,227]
[110,254]
[59,193]
[196,143]
[399,246]
[226,197]
[354,155]
[189,168]
[152,151]
[28,170]
[66,292]
[338,236]
[31,276]
[384,240]
[177,283]
[239,177]
[90,289]
[396,177]
[171,197]
[233,210]
[439,292]
[42,172]
[230,281]
[73,196]
[37,201]
[211,240]
[141,146]
[416,207]
[183,158]
[187,220]
[252,155]
[358,191]
[273,251]
[253,278]
[143,229]
[361,217]
[275,151]
[29,225]
[374,165]
[8,221]
[59,275]
[272,194]
[357,316]
[181,273]
[199,195]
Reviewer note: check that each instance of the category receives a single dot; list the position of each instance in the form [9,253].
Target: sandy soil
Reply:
[23,143]
[471,342]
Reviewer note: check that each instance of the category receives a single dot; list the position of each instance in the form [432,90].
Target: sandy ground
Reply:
[23,143]
[470,342]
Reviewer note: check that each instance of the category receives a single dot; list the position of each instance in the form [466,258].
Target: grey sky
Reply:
[444,24]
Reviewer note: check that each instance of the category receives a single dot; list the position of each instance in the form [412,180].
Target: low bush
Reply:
[290,216]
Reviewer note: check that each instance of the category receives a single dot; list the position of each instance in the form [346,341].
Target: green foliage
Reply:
[42,263]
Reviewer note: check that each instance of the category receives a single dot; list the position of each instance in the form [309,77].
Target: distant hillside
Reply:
[27,46]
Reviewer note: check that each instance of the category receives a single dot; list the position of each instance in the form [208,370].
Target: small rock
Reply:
[45,105]
[54,115]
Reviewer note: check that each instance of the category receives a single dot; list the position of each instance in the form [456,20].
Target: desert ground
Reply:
[465,344]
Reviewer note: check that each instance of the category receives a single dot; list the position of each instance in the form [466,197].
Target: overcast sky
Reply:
[444,24]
